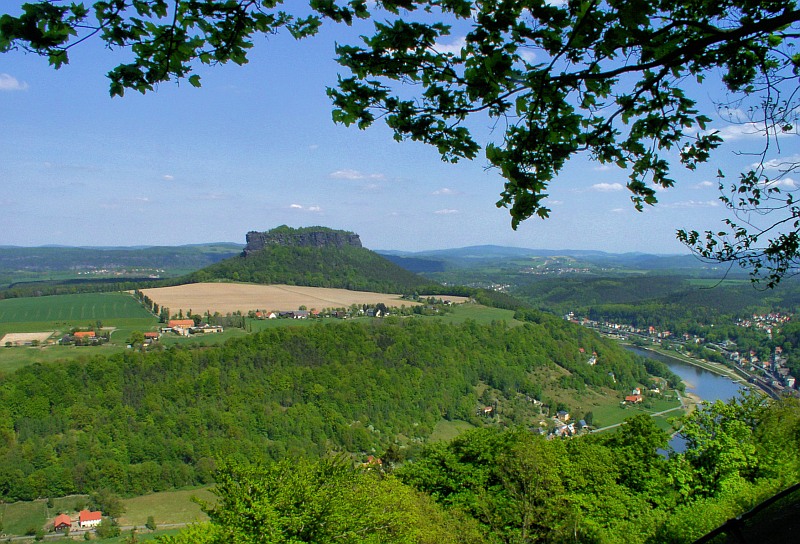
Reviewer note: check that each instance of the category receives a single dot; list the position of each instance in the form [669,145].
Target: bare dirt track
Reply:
[19,338]
[231,297]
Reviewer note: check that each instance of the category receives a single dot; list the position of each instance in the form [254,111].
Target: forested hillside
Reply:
[344,267]
[510,486]
[657,300]
[135,423]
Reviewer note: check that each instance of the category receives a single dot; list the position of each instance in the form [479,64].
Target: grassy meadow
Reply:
[169,509]
[87,307]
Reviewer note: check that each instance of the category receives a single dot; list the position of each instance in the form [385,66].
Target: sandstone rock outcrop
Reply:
[305,237]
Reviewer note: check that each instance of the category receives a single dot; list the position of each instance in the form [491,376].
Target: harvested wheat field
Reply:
[232,297]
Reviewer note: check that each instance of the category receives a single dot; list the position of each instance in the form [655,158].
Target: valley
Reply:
[283,352]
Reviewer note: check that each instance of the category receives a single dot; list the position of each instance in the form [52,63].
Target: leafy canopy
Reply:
[611,79]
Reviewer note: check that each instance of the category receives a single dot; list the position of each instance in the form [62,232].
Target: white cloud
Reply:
[693,204]
[607,187]
[445,212]
[618,210]
[445,191]
[745,130]
[527,55]
[738,132]
[168,177]
[783,165]
[354,175]
[453,47]
[601,167]
[313,209]
[313,147]
[785,183]
[10,83]
[705,184]
[209,196]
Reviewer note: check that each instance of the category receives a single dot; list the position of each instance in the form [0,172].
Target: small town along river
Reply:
[699,381]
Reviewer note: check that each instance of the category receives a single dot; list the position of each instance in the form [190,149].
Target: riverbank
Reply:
[715,368]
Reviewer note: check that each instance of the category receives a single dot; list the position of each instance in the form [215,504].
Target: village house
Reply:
[62,523]
[634,399]
[87,519]
[205,328]
[180,326]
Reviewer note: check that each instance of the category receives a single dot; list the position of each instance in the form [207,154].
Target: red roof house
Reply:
[62,522]
[633,398]
[181,323]
[87,518]
[84,334]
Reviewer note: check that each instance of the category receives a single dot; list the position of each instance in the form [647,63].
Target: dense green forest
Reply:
[135,423]
[344,267]
[510,486]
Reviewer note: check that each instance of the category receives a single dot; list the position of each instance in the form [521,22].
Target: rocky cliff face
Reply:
[308,237]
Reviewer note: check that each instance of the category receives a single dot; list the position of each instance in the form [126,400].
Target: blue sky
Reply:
[255,148]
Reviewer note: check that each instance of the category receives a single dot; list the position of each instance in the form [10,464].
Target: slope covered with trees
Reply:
[346,267]
[135,423]
[510,486]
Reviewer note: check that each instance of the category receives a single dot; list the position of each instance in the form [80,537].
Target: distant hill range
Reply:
[86,259]
[479,256]
[314,257]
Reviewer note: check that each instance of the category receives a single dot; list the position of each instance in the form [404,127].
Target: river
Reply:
[699,381]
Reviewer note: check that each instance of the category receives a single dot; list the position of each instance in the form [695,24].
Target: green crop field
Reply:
[119,313]
[88,307]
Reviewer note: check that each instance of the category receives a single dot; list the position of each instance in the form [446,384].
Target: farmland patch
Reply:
[69,308]
[243,297]
[20,338]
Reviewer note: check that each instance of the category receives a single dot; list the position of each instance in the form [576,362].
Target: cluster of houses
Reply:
[774,369]
[83,338]
[314,314]
[561,426]
[87,519]
[565,427]
[185,327]
[296,314]
[765,322]
[636,396]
